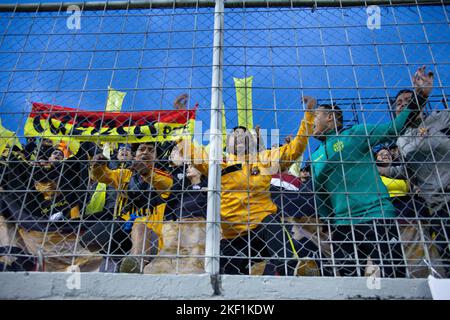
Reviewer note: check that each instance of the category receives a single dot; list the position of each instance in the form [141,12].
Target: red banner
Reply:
[55,121]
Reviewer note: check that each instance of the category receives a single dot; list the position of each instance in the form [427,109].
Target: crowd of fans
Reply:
[369,195]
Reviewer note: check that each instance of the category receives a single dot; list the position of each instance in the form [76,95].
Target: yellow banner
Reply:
[244,101]
[8,139]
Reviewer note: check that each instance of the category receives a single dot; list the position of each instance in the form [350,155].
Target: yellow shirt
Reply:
[245,196]
[119,179]
[396,187]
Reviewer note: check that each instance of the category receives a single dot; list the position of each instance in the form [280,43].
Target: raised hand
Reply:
[181,102]
[288,139]
[423,83]
[98,160]
[257,130]
[310,102]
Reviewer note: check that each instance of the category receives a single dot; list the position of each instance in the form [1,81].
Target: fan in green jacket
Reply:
[350,192]
[346,180]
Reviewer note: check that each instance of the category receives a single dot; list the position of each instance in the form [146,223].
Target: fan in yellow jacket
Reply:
[246,204]
[141,201]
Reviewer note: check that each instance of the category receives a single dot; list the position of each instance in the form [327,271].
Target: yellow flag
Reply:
[244,101]
[108,147]
[115,100]
[7,139]
[224,128]
[113,104]
[98,200]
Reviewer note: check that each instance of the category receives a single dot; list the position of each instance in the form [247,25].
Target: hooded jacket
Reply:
[46,198]
[427,159]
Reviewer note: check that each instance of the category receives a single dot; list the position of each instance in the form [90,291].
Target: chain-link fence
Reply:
[306,138]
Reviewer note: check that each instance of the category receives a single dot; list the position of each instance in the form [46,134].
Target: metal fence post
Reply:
[212,246]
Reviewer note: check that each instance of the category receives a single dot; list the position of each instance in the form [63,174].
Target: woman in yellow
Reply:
[142,191]
[396,187]
[406,205]
[250,226]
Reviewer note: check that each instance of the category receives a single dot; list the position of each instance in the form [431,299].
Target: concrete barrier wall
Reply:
[323,288]
[127,286]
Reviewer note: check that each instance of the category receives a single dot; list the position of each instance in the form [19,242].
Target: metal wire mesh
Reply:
[359,187]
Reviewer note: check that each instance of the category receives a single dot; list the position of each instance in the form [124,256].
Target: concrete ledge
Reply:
[60,285]
[39,285]
[322,288]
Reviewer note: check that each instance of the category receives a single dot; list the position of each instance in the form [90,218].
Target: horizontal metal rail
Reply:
[146,4]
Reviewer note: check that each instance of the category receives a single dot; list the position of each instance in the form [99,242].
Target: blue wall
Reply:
[156,55]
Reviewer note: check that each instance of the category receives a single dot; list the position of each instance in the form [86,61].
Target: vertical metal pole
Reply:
[212,246]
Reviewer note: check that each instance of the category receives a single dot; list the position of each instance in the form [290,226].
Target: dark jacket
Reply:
[30,208]
[186,200]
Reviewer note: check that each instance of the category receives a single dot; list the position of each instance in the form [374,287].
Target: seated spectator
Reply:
[185,236]
[142,191]
[406,205]
[184,229]
[193,200]
[48,213]
[103,233]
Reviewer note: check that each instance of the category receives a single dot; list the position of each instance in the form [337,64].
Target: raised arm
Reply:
[290,152]
[195,154]
[114,178]
[295,168]
[379,133]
